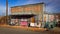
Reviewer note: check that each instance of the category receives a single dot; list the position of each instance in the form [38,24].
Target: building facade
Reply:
[27,15]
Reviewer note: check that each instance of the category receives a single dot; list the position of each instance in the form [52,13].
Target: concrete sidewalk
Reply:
[24,28]
[56,29]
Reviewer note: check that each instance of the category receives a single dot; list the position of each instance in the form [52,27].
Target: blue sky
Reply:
[52,6]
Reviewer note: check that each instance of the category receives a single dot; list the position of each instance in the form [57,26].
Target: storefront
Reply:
[22,20]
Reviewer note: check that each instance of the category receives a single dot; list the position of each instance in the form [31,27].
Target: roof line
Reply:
[28,4]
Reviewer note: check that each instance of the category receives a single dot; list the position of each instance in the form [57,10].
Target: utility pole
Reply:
[6,11]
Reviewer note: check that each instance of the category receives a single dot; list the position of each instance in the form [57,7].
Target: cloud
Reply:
[52,6]
[2,10]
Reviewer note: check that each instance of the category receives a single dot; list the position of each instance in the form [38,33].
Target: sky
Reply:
[51,6]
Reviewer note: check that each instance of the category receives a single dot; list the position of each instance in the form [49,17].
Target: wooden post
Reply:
[6,11]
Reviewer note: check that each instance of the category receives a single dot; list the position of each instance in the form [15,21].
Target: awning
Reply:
[24,16]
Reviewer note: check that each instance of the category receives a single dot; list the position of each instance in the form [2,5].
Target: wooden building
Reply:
[27,15]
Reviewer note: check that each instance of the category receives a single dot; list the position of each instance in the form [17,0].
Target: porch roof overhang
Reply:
[24,16]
